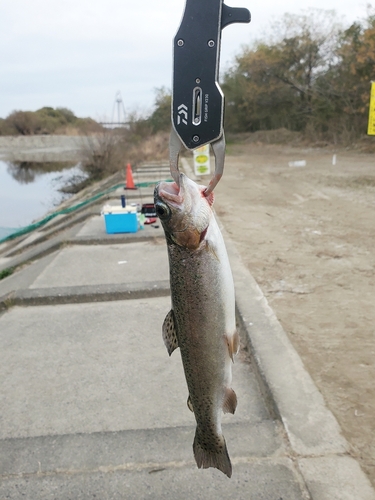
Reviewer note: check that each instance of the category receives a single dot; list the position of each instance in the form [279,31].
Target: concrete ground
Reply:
[91,405]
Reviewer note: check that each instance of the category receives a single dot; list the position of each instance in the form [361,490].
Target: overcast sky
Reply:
[79,53]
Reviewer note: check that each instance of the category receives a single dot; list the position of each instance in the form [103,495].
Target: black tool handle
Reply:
[198,102]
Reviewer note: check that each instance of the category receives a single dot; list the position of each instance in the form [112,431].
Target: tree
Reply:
[69,116]
[160,119]
[255,98]
[274,84]
[350,79]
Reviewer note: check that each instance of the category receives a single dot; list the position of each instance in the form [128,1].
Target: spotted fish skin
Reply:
[202,319]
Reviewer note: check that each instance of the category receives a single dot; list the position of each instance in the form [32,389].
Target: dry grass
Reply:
[154,147]
[279,136]
[110,151]
[343,139]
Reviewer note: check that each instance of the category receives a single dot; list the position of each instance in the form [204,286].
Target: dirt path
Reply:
[307,235]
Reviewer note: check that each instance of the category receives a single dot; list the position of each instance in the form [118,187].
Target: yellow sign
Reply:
[371,115]
[202,160]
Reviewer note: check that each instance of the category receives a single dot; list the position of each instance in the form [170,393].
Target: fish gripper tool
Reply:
[197,99]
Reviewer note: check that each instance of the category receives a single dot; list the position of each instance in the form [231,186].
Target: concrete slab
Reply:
[78,452]
[86,293]
[155,175]
[43,248]
[255,480]
[26,276]
[3,246]
[157,171]
[68,224]
[83,368]
[56,220]
[336,478]
[151,177]
[162,165]
[134,195]
[4,261]
[27,240]
[109,264]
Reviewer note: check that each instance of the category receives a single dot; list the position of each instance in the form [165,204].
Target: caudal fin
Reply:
[209,453]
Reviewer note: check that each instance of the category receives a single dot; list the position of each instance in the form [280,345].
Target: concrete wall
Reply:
[42,147]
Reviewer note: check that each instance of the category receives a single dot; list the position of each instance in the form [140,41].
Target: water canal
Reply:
[29,190]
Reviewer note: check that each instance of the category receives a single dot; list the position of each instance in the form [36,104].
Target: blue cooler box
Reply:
[120,220]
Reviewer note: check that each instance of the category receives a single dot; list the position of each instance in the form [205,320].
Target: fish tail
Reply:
[209,453]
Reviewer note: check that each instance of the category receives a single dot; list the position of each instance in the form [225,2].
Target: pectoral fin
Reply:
[169,333]
[233,343]
[210,248]
[190,404]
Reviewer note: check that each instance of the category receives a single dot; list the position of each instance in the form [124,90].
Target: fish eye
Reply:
[162,211]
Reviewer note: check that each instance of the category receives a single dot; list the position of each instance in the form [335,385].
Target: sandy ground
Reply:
[307,236]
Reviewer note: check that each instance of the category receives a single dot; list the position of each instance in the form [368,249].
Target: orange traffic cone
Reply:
[129,178]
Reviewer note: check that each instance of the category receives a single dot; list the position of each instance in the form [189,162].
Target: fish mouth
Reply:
[170,191]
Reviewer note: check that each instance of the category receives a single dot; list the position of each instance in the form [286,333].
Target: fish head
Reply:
[184,211]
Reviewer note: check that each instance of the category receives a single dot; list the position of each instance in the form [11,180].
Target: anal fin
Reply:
[230,401]
[169,333]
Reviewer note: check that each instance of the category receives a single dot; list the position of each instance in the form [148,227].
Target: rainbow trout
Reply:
[202,319]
